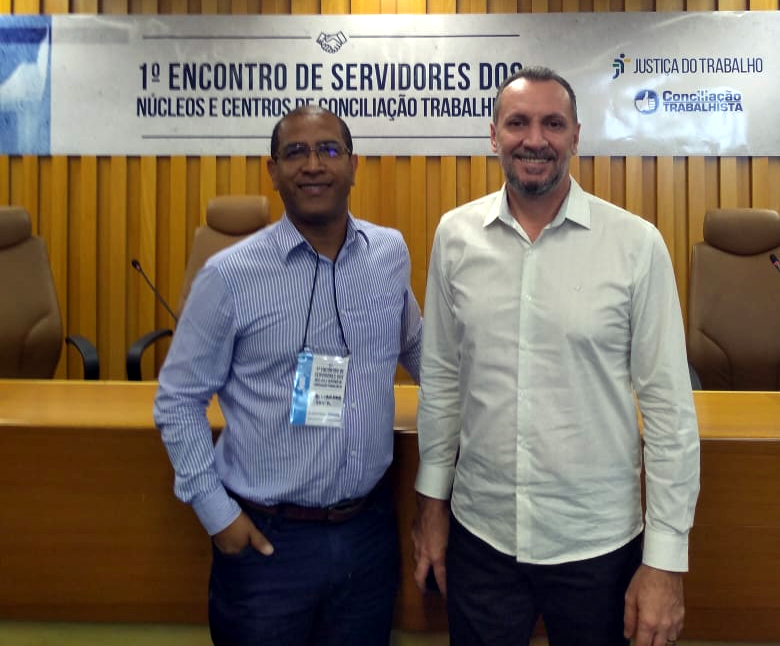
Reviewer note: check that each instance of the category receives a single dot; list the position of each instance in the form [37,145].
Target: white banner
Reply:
[647,83]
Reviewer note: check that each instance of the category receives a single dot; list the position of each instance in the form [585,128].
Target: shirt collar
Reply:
[290,239]
[575,207]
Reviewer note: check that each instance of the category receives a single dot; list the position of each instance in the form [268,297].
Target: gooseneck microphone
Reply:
[137,266]
[775,261]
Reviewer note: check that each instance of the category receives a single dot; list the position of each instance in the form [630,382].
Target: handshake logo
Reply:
[331,43]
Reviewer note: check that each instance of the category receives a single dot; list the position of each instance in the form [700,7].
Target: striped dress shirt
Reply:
[239,337]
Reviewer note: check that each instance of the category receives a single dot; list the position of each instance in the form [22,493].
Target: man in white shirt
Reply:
[549,314]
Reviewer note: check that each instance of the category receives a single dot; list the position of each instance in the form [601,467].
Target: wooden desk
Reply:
[90,530]
[731,590]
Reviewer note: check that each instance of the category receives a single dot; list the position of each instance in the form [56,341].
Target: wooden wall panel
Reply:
[97,214]
[177,229]
[422,238]
[80,316]
[5,178]
[115,266]
[93,6]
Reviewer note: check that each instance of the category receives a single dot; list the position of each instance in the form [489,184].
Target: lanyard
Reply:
[335,302]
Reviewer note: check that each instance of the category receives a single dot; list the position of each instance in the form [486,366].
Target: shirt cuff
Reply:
[434,481]
[665,551]
[216,510]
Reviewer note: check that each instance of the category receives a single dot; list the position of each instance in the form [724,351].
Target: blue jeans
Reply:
[326,584]
[493,600]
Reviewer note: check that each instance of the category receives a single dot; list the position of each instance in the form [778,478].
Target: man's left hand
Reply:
[654,610]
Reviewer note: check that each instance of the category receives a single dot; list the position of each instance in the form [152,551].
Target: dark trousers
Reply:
[326,584]
[493,600]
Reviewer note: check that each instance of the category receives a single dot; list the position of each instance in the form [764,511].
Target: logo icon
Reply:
[331,43]
[646,101]
[620,65]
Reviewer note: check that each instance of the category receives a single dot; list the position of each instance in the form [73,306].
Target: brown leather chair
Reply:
[30,324]
[229,219]
[734,301]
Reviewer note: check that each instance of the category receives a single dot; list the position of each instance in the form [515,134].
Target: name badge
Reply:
[318,390]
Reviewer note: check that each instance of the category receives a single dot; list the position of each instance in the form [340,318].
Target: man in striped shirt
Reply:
[298,329]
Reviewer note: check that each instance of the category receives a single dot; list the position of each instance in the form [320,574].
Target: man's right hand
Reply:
[430,534]
[240,533]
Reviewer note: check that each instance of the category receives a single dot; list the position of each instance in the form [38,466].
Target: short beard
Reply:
[532,189]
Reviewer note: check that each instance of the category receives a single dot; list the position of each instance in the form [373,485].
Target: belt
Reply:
[336,513]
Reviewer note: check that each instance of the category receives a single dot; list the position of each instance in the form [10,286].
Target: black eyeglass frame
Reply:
[326,151]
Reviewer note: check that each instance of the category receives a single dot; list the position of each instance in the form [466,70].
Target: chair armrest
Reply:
[89,355]
[137,350]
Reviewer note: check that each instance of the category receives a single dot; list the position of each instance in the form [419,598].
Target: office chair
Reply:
[31,325]
[229,218]
[734,301]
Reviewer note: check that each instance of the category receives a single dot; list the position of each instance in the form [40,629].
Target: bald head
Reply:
[308,111]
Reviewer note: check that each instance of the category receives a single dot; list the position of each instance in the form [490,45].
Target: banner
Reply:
[647,83]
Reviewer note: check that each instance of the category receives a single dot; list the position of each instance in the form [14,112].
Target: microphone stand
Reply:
[137,266]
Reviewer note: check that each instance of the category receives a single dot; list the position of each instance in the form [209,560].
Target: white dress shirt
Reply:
[534,358]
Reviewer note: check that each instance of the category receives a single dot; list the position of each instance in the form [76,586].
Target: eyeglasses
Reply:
[325,150]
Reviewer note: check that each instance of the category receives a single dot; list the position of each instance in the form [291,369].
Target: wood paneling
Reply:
[737,520]
[97,214]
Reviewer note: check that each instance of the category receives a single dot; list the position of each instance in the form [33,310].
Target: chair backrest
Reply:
[734,301]
[229,218]
[30,323]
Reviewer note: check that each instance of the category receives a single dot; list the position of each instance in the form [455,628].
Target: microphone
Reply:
[775,261]
[137,266]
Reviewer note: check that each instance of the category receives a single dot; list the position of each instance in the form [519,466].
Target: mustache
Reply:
[543,155]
